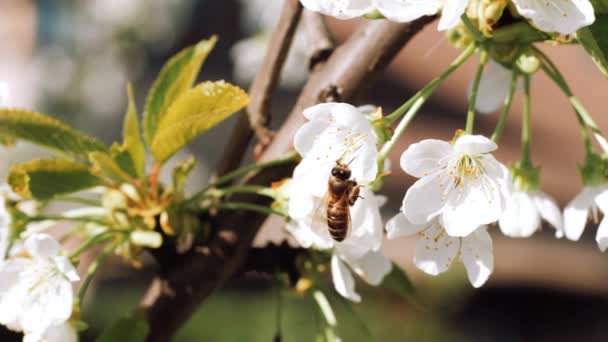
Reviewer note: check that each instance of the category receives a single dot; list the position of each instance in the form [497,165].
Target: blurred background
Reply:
[72,59]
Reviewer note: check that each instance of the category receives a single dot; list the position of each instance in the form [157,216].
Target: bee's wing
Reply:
[320,213]
[348,223]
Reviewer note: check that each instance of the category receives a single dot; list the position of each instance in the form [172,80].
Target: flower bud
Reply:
[459,36]
[145,238]
[527,62]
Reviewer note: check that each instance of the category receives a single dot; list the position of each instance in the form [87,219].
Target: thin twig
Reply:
[173,297]
[262,88]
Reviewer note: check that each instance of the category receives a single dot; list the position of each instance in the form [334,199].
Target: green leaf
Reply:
[594,38]
[176,77]
[106,167]
[132,139]
[47,132]
[398,282]
[43,179]
[197,110]
[132,329]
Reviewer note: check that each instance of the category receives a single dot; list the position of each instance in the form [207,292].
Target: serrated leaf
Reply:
[398,282]
[132,329]
[105,166]
[197,110]
[43,179]
[123,158]
[132,139]
[176,77]
[594,38]
[47,132]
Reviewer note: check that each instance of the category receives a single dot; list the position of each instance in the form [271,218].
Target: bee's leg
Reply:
[353,193]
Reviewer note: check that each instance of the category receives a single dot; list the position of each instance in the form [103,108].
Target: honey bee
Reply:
[342,193]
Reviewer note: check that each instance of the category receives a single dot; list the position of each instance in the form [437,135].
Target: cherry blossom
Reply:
[436,250]
[562,16]
[36,288]
[587,204]
[462,183]
[359,252]
[524,211]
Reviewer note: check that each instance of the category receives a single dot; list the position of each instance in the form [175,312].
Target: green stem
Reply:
[472,29]
[405,121]
[92,271]
[584,118]
[250,189]
[502,119]
[86,219]
[472,101]
[92,241]
[525,126]
[196,198]
[432,86]
[80,200]
[247,206]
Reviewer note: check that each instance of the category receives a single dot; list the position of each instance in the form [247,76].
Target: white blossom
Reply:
[359,252]
[336,131]
[436,250]
[585,205]
[341,9]
[461,183]
[522,216]
[396,10]
[36,288]
[562,16]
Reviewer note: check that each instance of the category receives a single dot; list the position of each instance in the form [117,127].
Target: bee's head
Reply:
[341,171]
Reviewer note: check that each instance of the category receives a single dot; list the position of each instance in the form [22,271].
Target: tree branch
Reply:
[317,36]
[262,88]
[175,295]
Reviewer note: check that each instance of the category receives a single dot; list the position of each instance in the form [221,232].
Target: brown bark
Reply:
[262,88]
[175,295]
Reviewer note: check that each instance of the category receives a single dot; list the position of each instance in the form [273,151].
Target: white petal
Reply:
[493,88]
[66,268]
[49,303]
[425,199]
[602,235]
[451,13]
[343,279]
[321,111]
[474,144]
[423,158]
[61,333]
[477,256]
[577,212]
[372,267]
[399,225]
[343,9]
[601,198]
[407,10]
[550,212]
[521,218]
[435,250]
[11,294]
[42,246]
[305,137]
[563,16]
[480,201]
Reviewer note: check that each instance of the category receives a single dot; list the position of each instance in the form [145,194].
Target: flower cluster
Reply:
[36,295]
[560,16]
[338,132]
